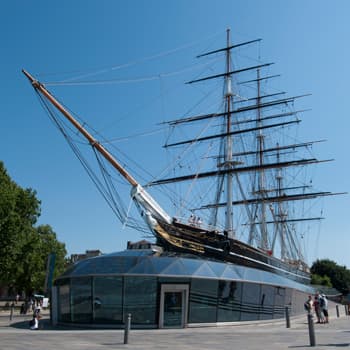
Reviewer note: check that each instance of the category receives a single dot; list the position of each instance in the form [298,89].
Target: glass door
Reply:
[173,306]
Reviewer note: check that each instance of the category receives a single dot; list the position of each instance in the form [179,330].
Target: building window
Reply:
[140,299]
[229,306]
[81,305]
[251,301]
[203,301]
[63,302]
[267,302]
[107,299]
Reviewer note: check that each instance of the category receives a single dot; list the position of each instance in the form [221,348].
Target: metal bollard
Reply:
[310,323]
[127,329]
[346,310]
[287,318]
[11,311]
[337,309]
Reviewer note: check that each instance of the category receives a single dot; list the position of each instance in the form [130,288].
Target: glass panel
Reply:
[251,274]
[172,309]
[229,307]
[63,303]
[296,299]
[217,268]
[116,264]
[176,268]
[232,272]
[203,301]
[108,299]
[271,278]
[205,271]
[267,302]
[81,300]
[280,303]
[140,299]
[172,280]
[251,301]
[191,265]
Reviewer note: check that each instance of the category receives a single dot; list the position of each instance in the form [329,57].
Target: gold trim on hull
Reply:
[179,242]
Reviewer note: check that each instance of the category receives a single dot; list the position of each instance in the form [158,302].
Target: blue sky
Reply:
[307,39]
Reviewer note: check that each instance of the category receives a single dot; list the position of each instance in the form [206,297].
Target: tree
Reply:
[338,275]
[19,210]
[24,248]
[41,243]
[321,280]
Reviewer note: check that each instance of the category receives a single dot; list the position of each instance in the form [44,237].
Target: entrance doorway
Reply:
[173,306]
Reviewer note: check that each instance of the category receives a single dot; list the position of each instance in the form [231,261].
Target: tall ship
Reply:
[237,202]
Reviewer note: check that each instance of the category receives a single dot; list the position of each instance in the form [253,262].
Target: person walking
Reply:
[34,323]
[324,307]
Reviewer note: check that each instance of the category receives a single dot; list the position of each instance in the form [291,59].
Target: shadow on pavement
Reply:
[44,324]
[325,345]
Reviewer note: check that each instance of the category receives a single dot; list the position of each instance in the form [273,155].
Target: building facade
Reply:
[88,254]
[162,291]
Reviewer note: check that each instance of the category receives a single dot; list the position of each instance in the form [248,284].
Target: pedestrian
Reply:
[31,304]
[324,307]
[192,220]
[308,305]
[37,311]
[318,309]
[34,323]
[23,309]
[27,306]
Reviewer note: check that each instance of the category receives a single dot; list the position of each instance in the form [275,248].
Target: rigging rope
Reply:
[145,59]
[125,81]
[107,190]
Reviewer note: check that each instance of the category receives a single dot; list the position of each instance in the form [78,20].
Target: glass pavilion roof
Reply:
[145,262]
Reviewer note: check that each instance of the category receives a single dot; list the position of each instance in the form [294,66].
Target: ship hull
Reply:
[182,238]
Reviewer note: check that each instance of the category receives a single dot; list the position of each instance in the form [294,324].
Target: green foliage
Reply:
[339,275]
[24,248]
[321,280]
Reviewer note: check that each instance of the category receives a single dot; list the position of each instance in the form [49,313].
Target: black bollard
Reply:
[310,322]
[287,318]
[127,329]
[337,309]
[11,311]
[346,310]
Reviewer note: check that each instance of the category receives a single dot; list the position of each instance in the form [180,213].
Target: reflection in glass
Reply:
[251,301]
[140,299]
[107,299]
[267,300]
[81,300]
[229,301]
[203,301]
[63,303]
[280,302]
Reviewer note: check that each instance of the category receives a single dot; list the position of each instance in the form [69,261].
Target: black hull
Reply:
[183,238]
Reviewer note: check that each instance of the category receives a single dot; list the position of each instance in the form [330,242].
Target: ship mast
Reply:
[228,147]
[261,174]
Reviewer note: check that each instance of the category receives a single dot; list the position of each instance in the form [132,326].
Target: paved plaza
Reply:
[15,335]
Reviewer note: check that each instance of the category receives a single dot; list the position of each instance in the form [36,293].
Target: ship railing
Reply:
[196,223]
